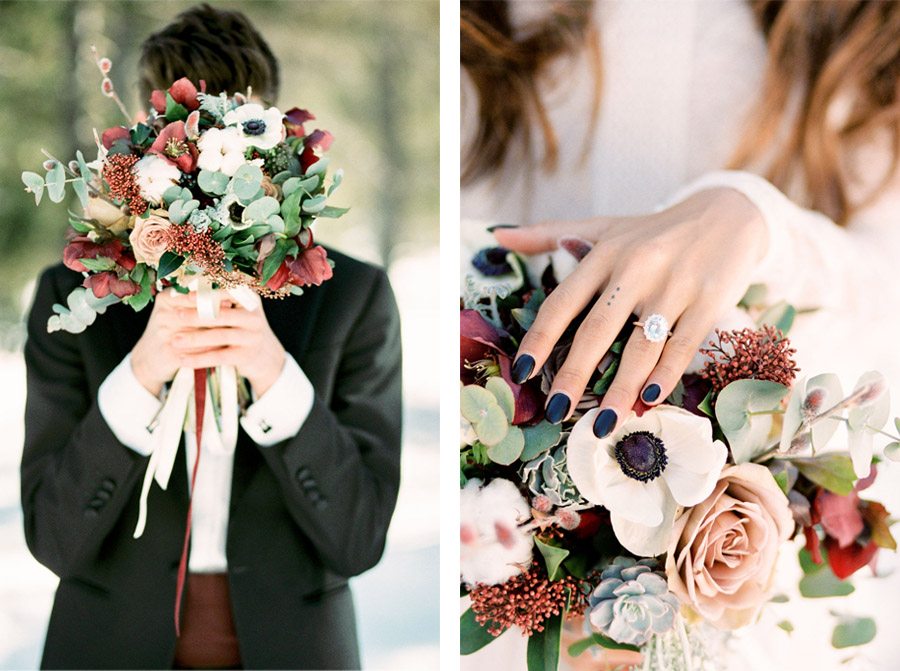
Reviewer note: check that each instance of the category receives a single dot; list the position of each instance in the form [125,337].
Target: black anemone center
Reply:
[235,211]
[642,456]
[491,261]
[254,127]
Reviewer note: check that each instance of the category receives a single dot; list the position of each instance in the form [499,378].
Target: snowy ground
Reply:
[396,633]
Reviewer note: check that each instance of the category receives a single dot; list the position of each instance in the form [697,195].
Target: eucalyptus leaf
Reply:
[319,167]
[213,183]
[79,186]
[336,180]
[34,184]
[853,631]
[737,408]
[540,438]
[781,316]
[507,450]
[504,395]
[313,205]
[56,183]
[246,182]
[892,451]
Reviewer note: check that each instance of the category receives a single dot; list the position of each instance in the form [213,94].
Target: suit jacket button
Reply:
[102,495]
[108,484]
[309,483]
[302,473]
[91,512]
[314,495]
[320,504]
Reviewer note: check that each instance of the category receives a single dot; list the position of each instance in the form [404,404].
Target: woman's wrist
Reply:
[739,211]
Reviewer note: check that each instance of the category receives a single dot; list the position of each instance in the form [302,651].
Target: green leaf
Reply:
[180,210]
[504,395]
[755,296]
[853,631]
[833,471]
[291,185]
[140,300]
[781,316]
[705,406]
[260,210]
[602,385]
[786,626]
[290,212]
[313,205]
[213,183]
[330,212]
[610,644]
[892,451]
[98,264]
[472,636]
[579,647]
[336,180]
[56,183]
[246,181]
[273,262]
[34,184]
[780,598]
[823,583]
[319,167]
[175,111]
[83,170]
[169,262]
[543,646]
[79,186]
[736,406]
[807,565]
[140,134]
[540,438]
[781,477]
[553,558]
[507,450]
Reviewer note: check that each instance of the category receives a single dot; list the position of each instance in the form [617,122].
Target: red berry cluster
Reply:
[118,172]
[526,600]
[199,246]
[747,354]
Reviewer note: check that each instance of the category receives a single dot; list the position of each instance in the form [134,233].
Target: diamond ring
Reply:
[656,328]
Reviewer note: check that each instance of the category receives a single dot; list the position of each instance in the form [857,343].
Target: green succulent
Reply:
[632,603]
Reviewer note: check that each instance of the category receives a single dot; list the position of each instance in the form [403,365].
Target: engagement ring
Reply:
[656,328]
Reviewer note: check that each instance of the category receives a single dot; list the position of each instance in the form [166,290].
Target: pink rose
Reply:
[722,558]
[150,238]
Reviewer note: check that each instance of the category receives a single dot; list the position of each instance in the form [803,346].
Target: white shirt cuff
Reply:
[128,408]
[279,413]
[775,207]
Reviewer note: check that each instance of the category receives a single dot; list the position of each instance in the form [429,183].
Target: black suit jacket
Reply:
[305,515]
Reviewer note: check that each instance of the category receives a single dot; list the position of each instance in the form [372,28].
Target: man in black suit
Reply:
[303,514]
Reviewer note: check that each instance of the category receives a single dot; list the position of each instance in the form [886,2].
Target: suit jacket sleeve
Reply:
[75,474]
[340,474]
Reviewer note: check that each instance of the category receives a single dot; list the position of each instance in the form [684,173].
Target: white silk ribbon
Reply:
[178,409]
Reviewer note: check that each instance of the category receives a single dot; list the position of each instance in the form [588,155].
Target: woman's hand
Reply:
[688,263]
[177,337]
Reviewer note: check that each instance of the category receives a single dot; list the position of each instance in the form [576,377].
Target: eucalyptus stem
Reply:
[76,176]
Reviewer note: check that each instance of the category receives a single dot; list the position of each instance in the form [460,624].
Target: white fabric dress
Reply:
[679,79]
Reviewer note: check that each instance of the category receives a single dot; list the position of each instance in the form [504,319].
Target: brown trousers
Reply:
[208,639]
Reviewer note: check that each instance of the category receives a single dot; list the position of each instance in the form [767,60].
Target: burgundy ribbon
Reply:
[199,407]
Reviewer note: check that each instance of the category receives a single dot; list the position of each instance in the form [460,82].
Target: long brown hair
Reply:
[505,69]
[819,52]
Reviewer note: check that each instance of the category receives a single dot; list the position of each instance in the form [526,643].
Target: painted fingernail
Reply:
[557,408]
[605,423]
[497,227]
[650,393]
[522,368]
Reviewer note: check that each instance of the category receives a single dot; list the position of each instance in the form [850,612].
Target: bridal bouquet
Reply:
[673,523]
[211,191]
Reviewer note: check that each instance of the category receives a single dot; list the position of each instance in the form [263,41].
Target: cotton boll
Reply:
[493,548]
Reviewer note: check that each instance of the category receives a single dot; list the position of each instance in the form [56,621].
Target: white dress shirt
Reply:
[679,79]
[277,415]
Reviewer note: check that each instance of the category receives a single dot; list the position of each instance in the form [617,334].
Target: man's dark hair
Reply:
[219,46]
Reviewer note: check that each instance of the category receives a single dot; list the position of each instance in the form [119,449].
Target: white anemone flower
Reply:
[493,547]
[257,127]
[221,150]
[644,470]
[154,175]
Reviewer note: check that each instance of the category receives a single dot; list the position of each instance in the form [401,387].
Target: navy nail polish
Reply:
[605,423]
[651,393]
[497,227]
[557,408]
[522,368]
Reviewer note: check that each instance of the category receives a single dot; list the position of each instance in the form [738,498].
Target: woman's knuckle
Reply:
[619,394]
